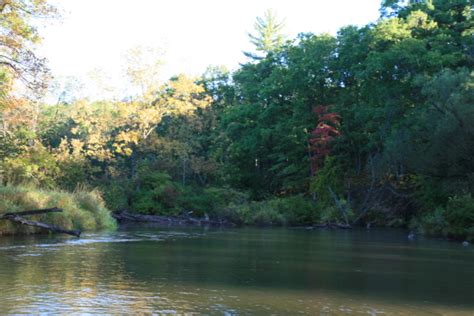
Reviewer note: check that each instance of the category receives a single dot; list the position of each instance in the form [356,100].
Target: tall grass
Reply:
[82,209]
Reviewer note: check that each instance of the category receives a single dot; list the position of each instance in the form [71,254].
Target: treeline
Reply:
[373,126]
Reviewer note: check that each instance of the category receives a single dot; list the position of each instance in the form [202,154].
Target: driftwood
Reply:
[125,216]
[17,218]
[331,225]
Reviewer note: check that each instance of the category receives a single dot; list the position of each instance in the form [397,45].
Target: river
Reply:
[236,271]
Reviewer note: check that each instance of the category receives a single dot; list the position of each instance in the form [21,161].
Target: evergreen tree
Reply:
[268,35]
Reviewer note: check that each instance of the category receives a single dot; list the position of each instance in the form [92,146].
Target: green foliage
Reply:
[328,177]
[36,166]
[455,220]
[156,194]
[214,201]
[298,210]
[269,36]
[72,172]
[259,213]
[295,210]
[460,217]
[83,210]
[402,89]
[334,213]
[117,194]
[19,29]
[443,132]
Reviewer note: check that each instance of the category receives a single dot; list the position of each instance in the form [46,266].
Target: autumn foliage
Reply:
[321,137]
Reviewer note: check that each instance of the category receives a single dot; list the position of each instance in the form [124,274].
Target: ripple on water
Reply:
[222,273]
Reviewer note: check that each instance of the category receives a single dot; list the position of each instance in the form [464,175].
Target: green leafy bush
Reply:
[36,166]
[156,194]
[294,210]
[260,213]
[456,220]
[217,203]
[117,193]
[265,215]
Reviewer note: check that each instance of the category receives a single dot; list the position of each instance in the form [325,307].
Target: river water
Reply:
[235,272]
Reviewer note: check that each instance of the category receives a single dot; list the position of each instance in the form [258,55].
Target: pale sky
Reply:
[194,34]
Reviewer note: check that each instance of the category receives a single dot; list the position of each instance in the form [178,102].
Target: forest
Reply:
[370,127]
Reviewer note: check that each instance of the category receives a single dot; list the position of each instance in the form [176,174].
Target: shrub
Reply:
[332,214]
[155,194]
[260,213]
[221,198]
[116,194]
[218,203]
[295,210]
[299,210]
[265,215]
[35,166]
[456,220]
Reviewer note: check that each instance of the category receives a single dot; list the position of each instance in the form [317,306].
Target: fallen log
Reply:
[17,218]
[124,217]
[330,226]
[129,217]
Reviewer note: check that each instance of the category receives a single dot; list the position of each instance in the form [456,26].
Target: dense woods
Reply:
[371,126]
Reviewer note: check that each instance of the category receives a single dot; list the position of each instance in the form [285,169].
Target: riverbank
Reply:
[86,211]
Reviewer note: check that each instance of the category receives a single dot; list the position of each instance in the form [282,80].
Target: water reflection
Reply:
[236,272]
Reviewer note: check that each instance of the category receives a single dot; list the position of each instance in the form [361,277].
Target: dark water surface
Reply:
[236,271]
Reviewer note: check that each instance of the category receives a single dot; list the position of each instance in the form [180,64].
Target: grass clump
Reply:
[82,210]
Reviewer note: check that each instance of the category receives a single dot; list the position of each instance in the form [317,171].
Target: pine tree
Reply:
[268,34]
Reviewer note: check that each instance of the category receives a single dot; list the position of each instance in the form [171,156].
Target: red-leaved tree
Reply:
[322,136]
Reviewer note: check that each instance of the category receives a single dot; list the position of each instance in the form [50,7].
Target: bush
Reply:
[212,201]
[456,220]
[265,215]
[156,194]
[332,214]
[294,210]
[35,166]
[116,194]
[83,210]
[259,213]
